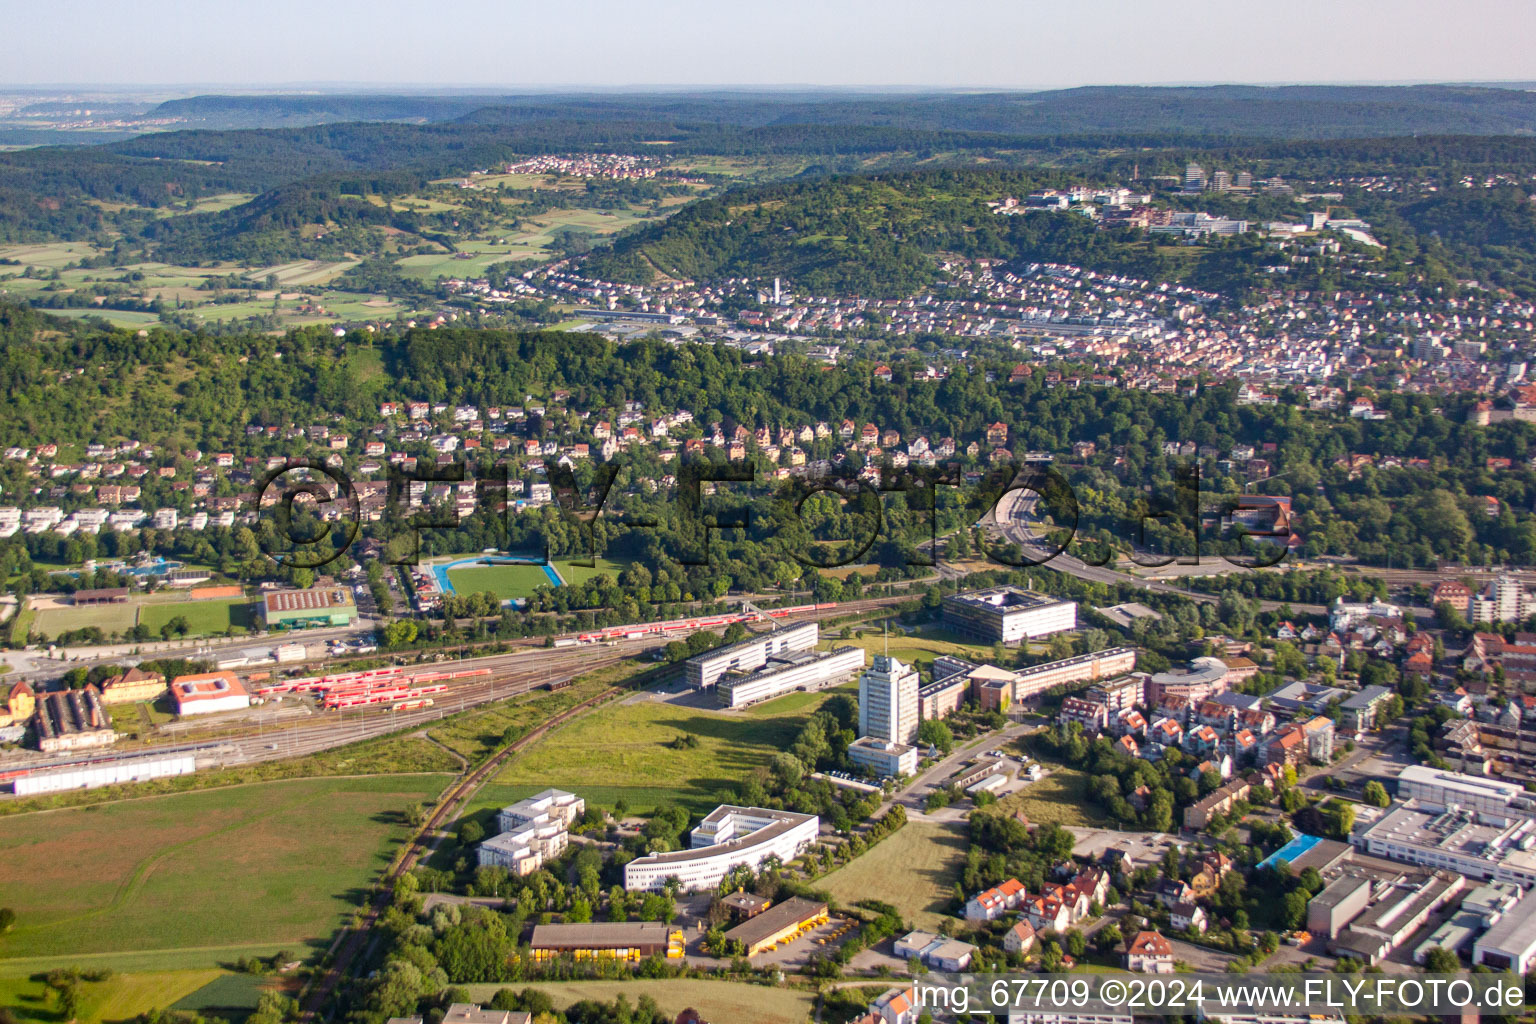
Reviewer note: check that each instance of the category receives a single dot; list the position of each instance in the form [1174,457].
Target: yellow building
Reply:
[133,685]
[607,940]
[19,706]
[777,925]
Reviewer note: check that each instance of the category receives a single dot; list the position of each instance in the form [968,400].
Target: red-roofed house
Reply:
[1149,953]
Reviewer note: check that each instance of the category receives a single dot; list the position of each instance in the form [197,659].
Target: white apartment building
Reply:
[888,705]
[1503,600]
[728,838]
[533,831]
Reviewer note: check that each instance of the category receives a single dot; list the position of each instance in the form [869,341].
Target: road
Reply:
[1011,517]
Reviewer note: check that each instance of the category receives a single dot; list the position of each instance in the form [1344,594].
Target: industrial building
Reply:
[705,670]
[72,720]
[302,609]
[882,758]
[1510,945]
[1439,790]
[1395,915]
[1480,909]
[1455,839]
[617,940]
[533,832]
[728,838]
[1008,615]
[780,924]
[103,773]
[208,692]
[785,673]
[888,701]
[1340,902]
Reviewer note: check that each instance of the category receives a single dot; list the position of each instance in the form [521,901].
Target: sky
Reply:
[838,43]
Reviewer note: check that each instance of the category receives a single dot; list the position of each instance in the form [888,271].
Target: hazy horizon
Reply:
[690,45]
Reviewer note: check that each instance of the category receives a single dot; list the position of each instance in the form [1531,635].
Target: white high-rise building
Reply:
[888,701]
[1503,600]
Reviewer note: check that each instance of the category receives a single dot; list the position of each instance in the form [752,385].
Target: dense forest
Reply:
[180,391]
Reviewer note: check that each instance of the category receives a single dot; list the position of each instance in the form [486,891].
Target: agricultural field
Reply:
[623,750]
[120,997]
[914,870]
[115,885]
[730,1001]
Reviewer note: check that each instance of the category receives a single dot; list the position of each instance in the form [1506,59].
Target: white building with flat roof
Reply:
[533,831]
[796,670]
[1454,839]
[1510,945]
[882,758]
[1432,787]
[705,670]
[728,838]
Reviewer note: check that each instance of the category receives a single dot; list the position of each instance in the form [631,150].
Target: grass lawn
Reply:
[203,617]
[622,750]
[731,1002]
[915,870]
[1060,798]
[120,997]
[476,734]
[279,864]
[918,647]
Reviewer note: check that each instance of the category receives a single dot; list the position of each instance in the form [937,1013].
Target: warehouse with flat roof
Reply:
[779,924]
[301,609]
[607,940]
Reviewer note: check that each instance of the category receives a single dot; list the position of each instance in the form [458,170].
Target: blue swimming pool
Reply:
[1291,850]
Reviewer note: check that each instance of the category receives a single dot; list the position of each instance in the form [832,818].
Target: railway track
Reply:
[354,941]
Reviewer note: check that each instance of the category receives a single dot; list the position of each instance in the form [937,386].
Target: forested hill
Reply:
[878,236]
[1289,112]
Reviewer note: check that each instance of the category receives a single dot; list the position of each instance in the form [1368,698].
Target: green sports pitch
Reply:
[508,582]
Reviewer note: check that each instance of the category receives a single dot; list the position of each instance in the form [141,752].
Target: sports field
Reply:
[914,870]
[514,581]
[201,877]
[202,616]
[623,750]
[731,1002]
[153,611]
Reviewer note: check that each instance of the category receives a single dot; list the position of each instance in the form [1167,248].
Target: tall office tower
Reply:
[1194,178]
[888,701]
